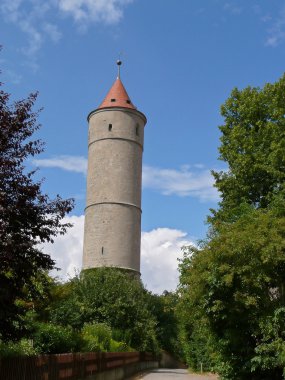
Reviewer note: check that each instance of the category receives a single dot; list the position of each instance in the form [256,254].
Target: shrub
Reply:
[119,347]
[111,296]
[96,337]
[22,348]
[55,339]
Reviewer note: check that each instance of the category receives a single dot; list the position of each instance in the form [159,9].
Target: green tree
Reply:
[49,338]
[27,216]
[110,296]
[232,286]
[270,351]
[163,307]
[253,146]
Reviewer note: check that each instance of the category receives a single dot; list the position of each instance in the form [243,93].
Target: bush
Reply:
[108,296]
[55,339]
[116,346]
[96,337]
[22,348]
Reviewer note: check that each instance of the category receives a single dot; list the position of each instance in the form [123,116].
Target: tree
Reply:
[110,296]
[253,146]
[163,307]
[27,216]
[232,287]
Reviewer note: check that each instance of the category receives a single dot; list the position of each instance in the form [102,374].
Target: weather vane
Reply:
[119,62]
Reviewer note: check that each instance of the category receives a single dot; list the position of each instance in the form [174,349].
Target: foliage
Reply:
[24,347]
[27,216]
[163,307]
[96,337]
[232,300]
[116,346]
[110,296]
[253,145]
[235,281]
[195,338]
[270,350]
[54,339]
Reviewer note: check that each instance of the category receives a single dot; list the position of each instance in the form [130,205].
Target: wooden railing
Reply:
[67,366]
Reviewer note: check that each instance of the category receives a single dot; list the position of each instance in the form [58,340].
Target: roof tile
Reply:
[117,97]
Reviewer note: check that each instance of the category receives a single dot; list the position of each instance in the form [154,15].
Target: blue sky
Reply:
[181,58]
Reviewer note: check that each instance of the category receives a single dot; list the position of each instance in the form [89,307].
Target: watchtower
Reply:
[112,231]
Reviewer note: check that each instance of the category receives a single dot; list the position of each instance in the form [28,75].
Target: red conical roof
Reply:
[117,97]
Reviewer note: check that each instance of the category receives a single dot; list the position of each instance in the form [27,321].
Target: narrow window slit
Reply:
[110,127]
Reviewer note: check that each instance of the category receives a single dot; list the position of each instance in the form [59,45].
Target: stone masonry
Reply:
[113,207]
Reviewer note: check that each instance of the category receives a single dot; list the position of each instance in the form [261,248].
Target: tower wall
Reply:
[113,207]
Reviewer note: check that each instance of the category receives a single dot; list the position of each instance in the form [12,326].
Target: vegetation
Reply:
[27,215]
[102,309]
[232,286]
[252,144]
[163,307]
[24,347]
[109,296]
[229,311]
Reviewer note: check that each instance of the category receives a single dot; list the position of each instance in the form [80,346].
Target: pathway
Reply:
[168,374]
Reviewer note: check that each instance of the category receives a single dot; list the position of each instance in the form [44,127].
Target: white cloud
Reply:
[35,18]
[160,250]
[29,17]
[159,253]
[183,182]
[107,11]
[52,31]
[10,8]
[34,36]
[67,249]
[12,76]
[233,8]
[77,164]
[276,33]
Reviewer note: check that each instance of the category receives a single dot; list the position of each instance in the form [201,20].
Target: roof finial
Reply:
[119,62]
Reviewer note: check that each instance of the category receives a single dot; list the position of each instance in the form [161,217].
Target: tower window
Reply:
[110,127]
[128,101]
[137,130]
[113,100]
[102,250]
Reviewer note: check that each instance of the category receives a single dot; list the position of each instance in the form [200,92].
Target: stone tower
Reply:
[112,231]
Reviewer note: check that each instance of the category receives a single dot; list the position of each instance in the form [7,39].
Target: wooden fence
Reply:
[68,366]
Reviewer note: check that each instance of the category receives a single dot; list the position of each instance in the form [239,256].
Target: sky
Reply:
[181,59]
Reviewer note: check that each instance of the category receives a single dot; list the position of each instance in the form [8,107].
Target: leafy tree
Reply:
[253,146]
[234,283]
[270,351]
[110,296]
[194,332]
[232,287]
[163,307]
[55,339]
[27,216]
